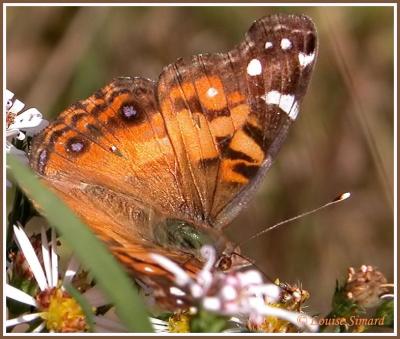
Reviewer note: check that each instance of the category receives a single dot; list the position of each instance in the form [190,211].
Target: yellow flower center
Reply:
[62,313]
[179,323]
[271,325]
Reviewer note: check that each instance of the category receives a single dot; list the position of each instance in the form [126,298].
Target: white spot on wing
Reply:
[254,67]
[148,269]
[212,92]
[294,111]
[286,102]
[286,44]
[268,45]
[272,97]
[306,59]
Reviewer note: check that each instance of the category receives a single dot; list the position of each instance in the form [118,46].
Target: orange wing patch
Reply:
[211,93]
[241,142]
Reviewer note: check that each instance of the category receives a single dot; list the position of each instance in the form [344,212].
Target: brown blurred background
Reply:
[342,142]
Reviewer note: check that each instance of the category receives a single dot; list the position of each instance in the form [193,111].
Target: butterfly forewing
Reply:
[276,60]
[229,113]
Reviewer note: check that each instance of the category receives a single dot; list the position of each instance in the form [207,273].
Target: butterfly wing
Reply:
[228,114]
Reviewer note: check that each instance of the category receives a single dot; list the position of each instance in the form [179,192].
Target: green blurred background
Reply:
[342,142]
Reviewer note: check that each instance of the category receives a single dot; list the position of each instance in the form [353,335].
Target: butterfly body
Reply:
[162,167]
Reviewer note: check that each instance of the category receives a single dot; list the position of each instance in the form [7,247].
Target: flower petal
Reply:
[109,324]
[29,119]
[250,277]
[95,297]
[301,320]
[11,133]
[100,329]
[31,257]
[35,130]
[181,277]
[54,259]
[17,107]
[212,304]
[72,268]
[159,326]
[156,321]
[46,256]
[9,95]
[176,291]
[205,275]
[22,319]
[270,290]
[16,294]
[39,328]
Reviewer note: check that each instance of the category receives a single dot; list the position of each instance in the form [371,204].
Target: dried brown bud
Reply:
[293,296]
[44,297]
[365,286]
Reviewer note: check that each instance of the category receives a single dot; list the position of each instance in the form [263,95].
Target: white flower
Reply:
[18,125]
[233,293]
[30,121]
[57,311]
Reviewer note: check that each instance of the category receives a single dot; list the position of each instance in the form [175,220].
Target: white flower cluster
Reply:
[20,124]
[234,293]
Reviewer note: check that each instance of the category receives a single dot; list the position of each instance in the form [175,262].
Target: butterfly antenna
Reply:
[338,199]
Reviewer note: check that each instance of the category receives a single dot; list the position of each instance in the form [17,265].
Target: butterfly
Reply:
[163,167]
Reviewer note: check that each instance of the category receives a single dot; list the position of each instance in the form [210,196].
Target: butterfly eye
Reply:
[224,264]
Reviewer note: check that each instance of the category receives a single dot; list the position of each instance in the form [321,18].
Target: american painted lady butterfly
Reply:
[162,167]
